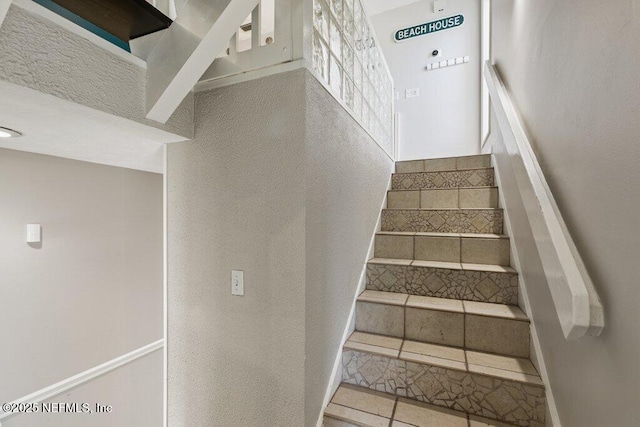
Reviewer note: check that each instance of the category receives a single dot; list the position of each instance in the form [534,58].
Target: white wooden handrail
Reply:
[575,297]
[83,377]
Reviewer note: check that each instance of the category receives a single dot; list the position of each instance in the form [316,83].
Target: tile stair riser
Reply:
[484,221]
[504,400]
[469,250]
[444,179]
[445,164]
[508,337]
[451,198]
[500,288]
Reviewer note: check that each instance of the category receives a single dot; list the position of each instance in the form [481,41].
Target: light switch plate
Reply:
[412,93]
[237,282]
[34,233]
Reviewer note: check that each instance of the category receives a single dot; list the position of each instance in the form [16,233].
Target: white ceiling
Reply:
[57,127]
[375,7]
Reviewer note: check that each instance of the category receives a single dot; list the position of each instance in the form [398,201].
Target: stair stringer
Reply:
[336,373]
[502,169]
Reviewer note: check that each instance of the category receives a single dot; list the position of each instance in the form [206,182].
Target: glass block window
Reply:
[347,58]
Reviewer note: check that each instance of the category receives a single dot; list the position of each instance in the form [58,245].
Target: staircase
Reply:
[439,339]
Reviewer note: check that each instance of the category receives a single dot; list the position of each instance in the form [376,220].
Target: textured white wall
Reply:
[38,54]
[445,119]
[347,177]
[292,199]
[236,201]
[582,120]
[92,290]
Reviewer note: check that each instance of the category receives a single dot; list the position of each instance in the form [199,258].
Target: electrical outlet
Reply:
[412,93]
[237,282]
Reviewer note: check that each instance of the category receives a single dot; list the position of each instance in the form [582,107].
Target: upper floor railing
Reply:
[347,57]
[264,39]
[338,45]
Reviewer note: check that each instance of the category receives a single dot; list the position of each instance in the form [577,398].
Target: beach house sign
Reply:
[429,27]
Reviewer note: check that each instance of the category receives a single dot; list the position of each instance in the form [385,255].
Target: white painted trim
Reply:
[485,54]
[83,377]
[188,48]
[537,348]
[336,374]
[210,84]
[4,8]
[575,298]
[165,287]
[35,9]
[396,134]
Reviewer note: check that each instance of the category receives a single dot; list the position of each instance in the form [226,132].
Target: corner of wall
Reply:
[336,375]
[347,176]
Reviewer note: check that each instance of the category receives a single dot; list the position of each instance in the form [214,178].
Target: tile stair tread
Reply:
[373,402]
[445,171]
[396,233]
[433,303]
[497,366]
[486,309]
[362,406]
[437,234]
[494,310]
[437,264]
[376,340]
[390,298]
[447,265]
[391,261]
[446,158]
[446,188]
[413,413]
[374,349]
[361,418]
[442,209]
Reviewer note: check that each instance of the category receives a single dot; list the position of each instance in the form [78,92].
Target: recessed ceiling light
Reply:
[9,133]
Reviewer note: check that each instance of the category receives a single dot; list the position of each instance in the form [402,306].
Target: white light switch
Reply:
[34,234]
[412,93]
[237,282]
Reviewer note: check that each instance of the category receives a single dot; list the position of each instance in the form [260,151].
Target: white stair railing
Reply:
[575,297]
[264,39]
